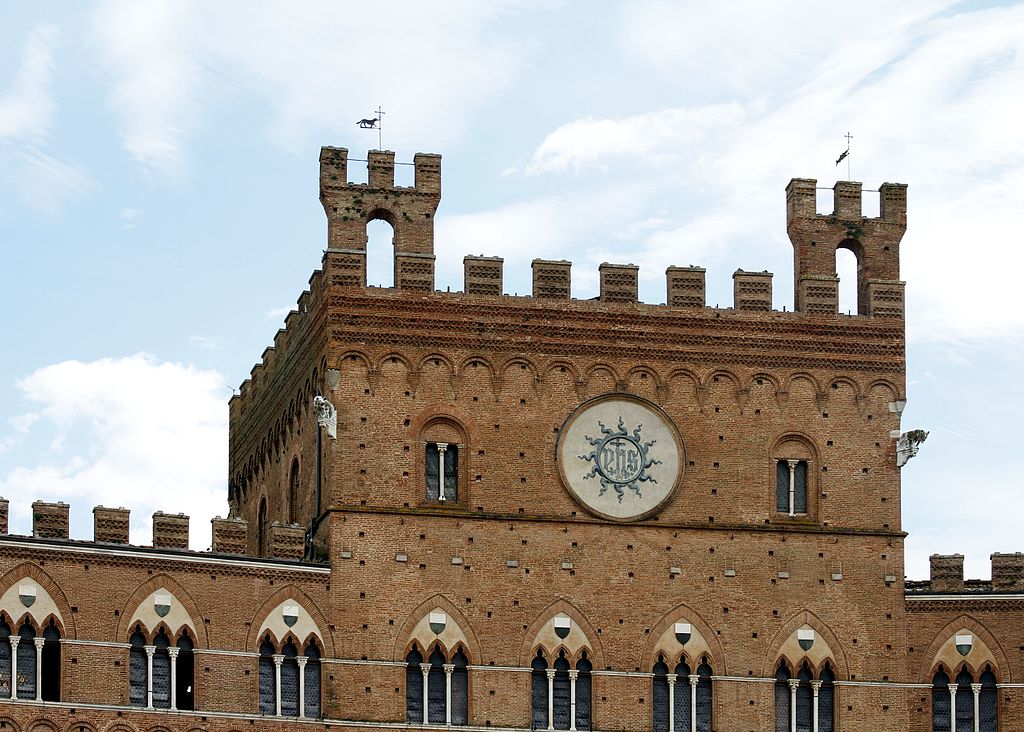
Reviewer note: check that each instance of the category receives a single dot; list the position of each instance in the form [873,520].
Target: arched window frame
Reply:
[554,686]
[293,491]
[262,529]
[682,694]
[964,698]
[437,683]
[289,677]
[443,463]
[799,700]
[794,478]
[161,666]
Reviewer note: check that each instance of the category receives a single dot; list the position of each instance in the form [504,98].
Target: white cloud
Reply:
[926,97]
[26,109]
[278,314]
[128,217]
[317,66]
[208,343]
[148,435]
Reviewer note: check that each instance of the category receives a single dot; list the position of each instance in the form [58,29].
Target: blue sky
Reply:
[159,212]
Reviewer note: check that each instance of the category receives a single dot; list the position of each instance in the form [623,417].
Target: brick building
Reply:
[472,509]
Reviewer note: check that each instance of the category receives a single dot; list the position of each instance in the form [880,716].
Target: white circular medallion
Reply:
[620,456]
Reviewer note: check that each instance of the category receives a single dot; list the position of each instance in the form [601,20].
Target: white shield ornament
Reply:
[162,605]
[290,613]
[27,595]
[563,625]
[964,643]
[683,632]
[805,637]
[437,622]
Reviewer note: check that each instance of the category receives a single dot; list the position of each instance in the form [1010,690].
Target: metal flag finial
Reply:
[846,155]
[375,123]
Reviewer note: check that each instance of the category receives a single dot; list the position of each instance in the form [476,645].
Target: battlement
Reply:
[946,576]
[170,531]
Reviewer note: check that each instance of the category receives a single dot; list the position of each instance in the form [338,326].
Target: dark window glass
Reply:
[800,487]
[312,681]
[185,693]
[782,699]
[51,663]
[964,702]
[293,492]
[826,701]
[987,703]
[161,672]
[289,681]
[137,670]
[659,697]
[539,692]
[432,472]
[460,689]
[27,662]
[451,473]
[782,486]
[584,692]
[804,701]
[413,687]
[940,703]
[704,698]
[560,692]
[268,679]
[436,691]
[683,716]
[5,659]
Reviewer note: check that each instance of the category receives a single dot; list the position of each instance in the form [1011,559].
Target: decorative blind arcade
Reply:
[445,453]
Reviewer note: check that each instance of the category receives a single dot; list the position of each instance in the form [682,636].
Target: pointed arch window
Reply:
[289,682]
[659,695]
[800,705]
[184,669]
[560,696]
[26,657]
[682,699]
[5,659]
[137,669]
[293,492]
[539,691]
[703,697]
[966,703]
[436,688]
[161,673]
[311,680]
[460,688]
[414,687]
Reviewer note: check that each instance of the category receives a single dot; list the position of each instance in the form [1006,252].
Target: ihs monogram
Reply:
[620,459]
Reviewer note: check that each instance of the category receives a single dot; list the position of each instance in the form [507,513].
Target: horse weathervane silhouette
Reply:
[376,123]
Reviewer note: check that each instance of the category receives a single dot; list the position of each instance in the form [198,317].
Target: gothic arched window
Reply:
[460,689]
[659,696]
[26,656]
[413,687]
[137,669]
[782,703]
[268,680]
[312,681]
[161,672]
[293,492]
[584,691]
[185,671]
[539,691]
[436,688]
[987,719]
[703,697]
[289,681]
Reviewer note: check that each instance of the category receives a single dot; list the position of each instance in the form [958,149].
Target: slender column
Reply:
[278,661]
[39,672]
[976,688]
[694,678]
[302,685]
[792,486]
[14,665]
[793,684]
[441,448]
[573,673]
[425,670]
[815,688]
[448,668]
[173,652]
[150,650]
[671,703]
[952,707]
[551,698]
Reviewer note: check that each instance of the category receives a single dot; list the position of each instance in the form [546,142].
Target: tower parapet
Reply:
[409,211]
[874,241]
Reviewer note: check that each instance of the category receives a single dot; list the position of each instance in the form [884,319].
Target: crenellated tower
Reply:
[351,206]
[874,241]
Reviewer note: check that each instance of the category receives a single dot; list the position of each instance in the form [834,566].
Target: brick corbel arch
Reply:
[43,724]
[561,605]
[8,723]
[290,592]
[647,653]
[147,588]
[120,725]
[927,668]
[805,617]
[27,569]
[402,637]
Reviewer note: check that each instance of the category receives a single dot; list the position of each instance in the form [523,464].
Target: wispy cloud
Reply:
[26,118]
